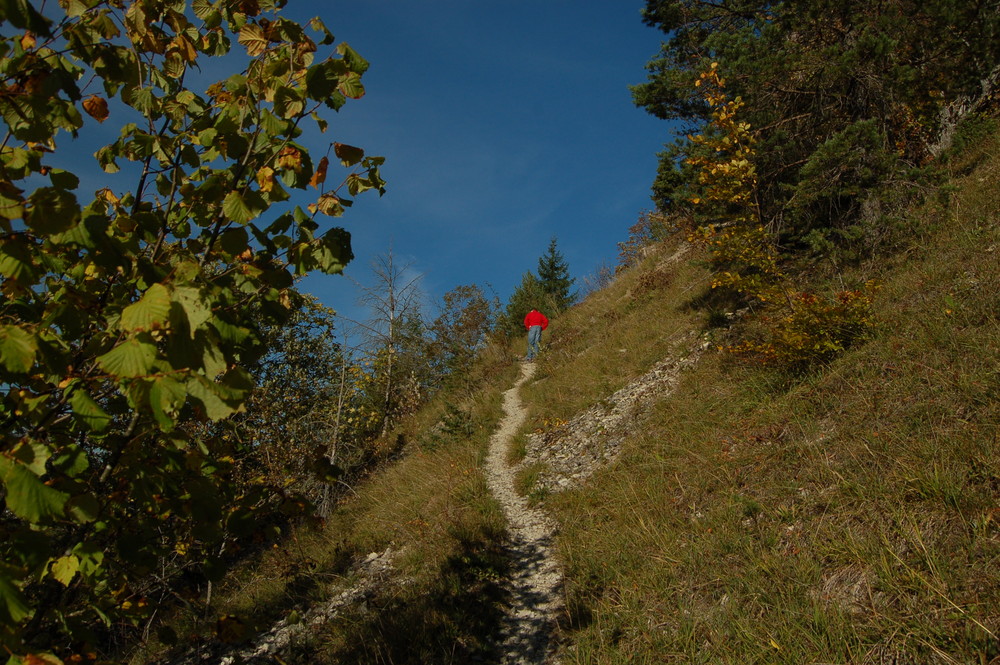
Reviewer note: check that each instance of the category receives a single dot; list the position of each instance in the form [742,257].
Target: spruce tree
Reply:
[553,277]
[528,294]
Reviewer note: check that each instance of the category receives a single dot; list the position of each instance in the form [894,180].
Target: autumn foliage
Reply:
[133,318]
[800,327]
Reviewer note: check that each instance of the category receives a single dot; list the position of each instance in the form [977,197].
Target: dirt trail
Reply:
[570,454]
[536,577]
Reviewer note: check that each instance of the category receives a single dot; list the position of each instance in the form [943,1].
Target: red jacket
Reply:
[536,318]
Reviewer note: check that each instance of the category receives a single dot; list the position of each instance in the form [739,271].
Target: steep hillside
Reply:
[709,509]
[848,515]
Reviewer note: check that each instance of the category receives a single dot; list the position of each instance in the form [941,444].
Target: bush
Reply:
[815,330]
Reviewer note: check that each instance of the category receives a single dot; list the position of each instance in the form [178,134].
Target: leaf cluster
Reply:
[744,254]
[133,317]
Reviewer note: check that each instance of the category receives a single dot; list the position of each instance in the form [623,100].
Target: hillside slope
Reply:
[846,516]
[709,510]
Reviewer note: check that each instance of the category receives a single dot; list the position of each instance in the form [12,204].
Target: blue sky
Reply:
[503,123]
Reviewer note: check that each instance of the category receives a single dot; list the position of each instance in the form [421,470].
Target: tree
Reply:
[553,277]
[528,294]
[872,84]
[129,318]
[292,415]
[394,301]
[461,328]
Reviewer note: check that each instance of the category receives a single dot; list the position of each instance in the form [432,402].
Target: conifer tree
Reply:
[529,293]
[554,279]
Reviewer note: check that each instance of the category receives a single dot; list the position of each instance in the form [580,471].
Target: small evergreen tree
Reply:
[528,294]
[554,279]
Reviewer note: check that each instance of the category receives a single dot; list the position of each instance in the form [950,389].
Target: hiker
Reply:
[535,322]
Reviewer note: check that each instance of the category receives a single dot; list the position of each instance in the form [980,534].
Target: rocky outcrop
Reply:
[572,452]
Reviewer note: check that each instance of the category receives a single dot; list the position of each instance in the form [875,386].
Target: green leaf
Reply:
[32,455]
[318,25]
[207,136]
[243,208]
[320,122]
[322,79]
[148,313]
[11,201]
[21,14]
[228,332]
[52,210]
[274,125]
[355,62]
[106,158]
[351,86]
[87,410]
[63,179]
[202,8]
[71,461]
[91,557]
[64,569]
[17,348]
[288,102]
[17,262]
[212,397]
[83,508]
[13,605]
[27,496]
[196,309]
[334,251]
[212,359]
[166,397]
[234,241]
[132,358]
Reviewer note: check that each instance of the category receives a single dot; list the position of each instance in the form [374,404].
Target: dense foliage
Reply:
[810,126]
[460,330]
[129,317]
[845,101]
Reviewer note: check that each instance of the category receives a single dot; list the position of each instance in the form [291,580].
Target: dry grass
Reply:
[433,508]
[848,516]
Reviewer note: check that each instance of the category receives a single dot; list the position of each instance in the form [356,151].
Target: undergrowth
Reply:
[430,506]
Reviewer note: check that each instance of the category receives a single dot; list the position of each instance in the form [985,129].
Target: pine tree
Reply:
[528,294]
[553,277]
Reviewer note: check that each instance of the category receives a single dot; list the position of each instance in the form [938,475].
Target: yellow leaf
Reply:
[290,158]
[108,196]
[253,38]
[64,569]
[184,47]
[265,179]
[319,175]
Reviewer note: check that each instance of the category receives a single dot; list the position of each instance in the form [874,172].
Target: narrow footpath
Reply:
[536,577]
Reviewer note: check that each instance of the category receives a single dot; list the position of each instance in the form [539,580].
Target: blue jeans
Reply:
[534,337]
